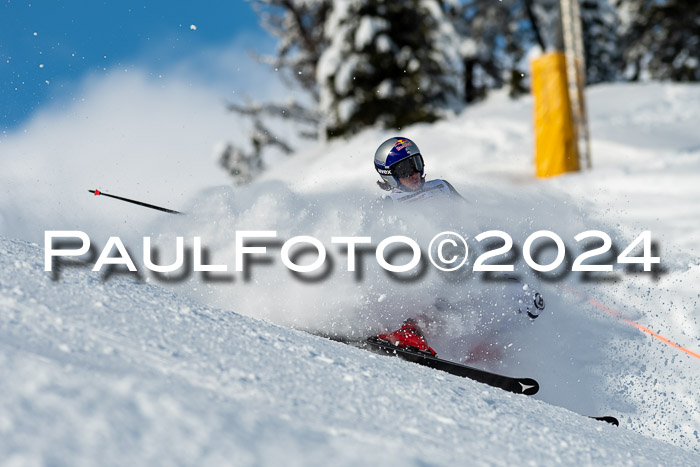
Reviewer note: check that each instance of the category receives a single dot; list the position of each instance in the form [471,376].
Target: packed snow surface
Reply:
[129,373]
[118,370]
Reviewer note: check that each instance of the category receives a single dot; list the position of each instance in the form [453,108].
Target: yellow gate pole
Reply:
[556,149]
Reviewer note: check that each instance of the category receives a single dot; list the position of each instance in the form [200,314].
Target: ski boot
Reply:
[410,337]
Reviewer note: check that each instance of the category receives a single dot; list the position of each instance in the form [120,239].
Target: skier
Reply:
[400,164]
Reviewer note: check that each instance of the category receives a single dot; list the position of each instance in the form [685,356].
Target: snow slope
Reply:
[121,372]
[646,156]
[195,372]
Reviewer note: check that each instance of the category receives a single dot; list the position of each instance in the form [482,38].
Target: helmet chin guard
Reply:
[397,157]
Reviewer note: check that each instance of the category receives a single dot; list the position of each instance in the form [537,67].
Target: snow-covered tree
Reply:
[298,26]
[495,37]
[388,63]
[661,39]
[357,63]
[603,55]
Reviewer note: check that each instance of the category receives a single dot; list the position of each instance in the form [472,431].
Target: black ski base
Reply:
[527,386]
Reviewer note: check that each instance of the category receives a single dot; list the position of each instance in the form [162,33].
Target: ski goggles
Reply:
[407,167]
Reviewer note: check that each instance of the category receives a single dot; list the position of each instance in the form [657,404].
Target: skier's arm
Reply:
[454,192]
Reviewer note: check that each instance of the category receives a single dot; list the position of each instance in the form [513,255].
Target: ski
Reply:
[527,386]
[607,419]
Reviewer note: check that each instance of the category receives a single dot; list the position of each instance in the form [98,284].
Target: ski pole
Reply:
[140,203]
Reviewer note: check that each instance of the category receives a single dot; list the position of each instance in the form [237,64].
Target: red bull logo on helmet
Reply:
[401,143]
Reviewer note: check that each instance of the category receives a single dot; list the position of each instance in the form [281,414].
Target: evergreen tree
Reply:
[661,39]
[361,63]
[298,26]
[600,25]
[388,63]
[495,37]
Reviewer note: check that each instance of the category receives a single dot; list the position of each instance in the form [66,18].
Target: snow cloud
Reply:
[139,132]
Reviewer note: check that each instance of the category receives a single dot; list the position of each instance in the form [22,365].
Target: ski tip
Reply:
[528,386]
[96,192]
[608,419]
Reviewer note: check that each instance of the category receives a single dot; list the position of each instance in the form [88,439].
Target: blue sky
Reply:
[48,47]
